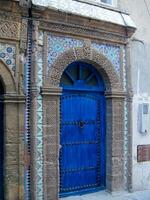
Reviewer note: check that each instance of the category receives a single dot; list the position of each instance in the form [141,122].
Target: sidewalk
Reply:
[144,195]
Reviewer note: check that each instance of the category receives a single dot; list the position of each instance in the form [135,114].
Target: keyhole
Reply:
[81,124]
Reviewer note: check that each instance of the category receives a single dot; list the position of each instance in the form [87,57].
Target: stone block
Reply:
[11,136]
[11,118]
[114,183]
[11,174]
[11,154]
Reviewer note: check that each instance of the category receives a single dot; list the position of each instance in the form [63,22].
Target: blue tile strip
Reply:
[39,138]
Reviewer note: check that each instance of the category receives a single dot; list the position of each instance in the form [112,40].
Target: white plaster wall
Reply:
[141,171]
[140,67]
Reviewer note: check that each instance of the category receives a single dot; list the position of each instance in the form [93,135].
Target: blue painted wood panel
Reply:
[80,158]
[82,135]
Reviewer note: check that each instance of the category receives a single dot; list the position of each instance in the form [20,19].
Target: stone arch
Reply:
[90,55]
[115,96]
[7,78]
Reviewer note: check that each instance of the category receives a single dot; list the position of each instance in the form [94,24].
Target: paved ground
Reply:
[106,196]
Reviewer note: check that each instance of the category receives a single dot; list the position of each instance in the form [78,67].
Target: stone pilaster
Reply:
[114,141]
[14,146]
[51,123]
[129,115]
[33,109]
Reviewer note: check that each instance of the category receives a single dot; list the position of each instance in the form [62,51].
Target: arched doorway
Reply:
[82,130]
[1,141]
[115,99]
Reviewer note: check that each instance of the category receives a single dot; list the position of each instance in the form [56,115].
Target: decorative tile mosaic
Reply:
[40,39]
[8,55]
[39,127]
[39,138]
[58,45]
[125,120]
[111,52]
[27,137]
[125,143]
[124,70]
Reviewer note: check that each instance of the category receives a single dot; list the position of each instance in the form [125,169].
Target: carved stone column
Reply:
[33,109]
[51,126]
[114,141]
[129,115]
[14,106]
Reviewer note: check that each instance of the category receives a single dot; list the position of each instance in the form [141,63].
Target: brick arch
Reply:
[90,55]
[7,78]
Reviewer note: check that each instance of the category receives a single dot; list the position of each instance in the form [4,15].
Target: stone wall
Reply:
[13,34]
[57,39]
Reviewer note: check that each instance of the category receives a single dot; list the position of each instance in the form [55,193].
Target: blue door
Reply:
[82,136]
[1,142]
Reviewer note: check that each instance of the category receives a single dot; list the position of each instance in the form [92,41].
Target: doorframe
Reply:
[115,97]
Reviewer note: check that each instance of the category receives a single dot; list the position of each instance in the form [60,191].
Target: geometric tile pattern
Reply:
[125,142]
[27,137]
[39,151]
[60,44]
[124,70]
[39,138]
[125,120]
[111,52]
[8,55]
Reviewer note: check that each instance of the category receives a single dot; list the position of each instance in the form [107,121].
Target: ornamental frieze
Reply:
[15,31]
[83,31]
[9,30]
